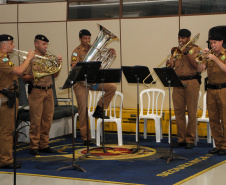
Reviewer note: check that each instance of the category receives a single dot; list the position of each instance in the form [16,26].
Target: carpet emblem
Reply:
[115,152]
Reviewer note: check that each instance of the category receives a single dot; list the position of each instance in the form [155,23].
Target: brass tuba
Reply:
[98,53]
[49,64]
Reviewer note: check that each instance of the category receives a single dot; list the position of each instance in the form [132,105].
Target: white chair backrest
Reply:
[204,107]
[154,103]
[116,102]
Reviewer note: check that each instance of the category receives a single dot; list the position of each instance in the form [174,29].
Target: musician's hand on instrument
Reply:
[170,63]
[113,52]
[211,57]
[31,55]
[59,59]
[205,50]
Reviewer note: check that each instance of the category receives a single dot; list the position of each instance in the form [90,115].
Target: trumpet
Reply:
[25,52]
[176,53]
[203,56]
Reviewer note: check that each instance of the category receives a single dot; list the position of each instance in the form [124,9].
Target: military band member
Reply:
[186,97]
[41,101]
[78,55]
[215,63]
[8,73]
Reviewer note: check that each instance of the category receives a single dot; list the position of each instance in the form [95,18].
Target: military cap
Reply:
[84,32]
[216,36]
[41,37]
[5,37]
[184,33]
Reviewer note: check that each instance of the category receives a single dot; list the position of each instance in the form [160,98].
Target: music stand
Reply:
[107,76]
[88,74]
[136,74]
[169,79]
[69,84]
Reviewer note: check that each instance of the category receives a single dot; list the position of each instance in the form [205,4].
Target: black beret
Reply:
[84,32]
[42,37]
[216,36]
[184,33]
[5,37]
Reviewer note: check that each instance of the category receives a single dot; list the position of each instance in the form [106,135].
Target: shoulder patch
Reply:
[191,51]
[5,59]
[223,57]
[11,64]
[74,59]
[75,54]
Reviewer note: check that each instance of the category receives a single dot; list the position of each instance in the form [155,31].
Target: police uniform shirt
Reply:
[6,75]
[215,74]
[79,54]
[183,66]
[44,81]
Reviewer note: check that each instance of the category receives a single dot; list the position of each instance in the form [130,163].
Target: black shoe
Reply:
[214,151]
[177,145]
[47,150]
[99,113]
[189,145]
[222,152]
[34,152]
[11,166]
[86,142]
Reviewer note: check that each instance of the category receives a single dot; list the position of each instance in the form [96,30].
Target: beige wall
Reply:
[144,41]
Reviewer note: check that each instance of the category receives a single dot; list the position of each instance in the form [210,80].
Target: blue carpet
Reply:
[146,169]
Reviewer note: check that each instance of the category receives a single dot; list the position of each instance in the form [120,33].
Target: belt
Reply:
[220,86]
[40,87]
[189,77]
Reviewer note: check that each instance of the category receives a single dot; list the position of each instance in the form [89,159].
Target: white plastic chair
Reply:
[173,118]
[154,103]
[205,120]
[117,99]
[93,99]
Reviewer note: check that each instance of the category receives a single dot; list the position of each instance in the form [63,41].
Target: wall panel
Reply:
[146,42]
[8,13]
[42,12]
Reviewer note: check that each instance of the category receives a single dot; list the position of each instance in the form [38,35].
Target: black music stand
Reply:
[169,79]
[107,76]
[70,81]
[88,74]
[136,74]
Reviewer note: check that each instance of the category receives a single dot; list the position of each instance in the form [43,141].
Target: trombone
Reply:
[25,52]
[176,53]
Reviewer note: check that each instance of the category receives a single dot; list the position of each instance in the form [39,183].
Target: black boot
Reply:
[99,112]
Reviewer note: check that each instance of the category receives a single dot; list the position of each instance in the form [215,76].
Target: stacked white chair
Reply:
[117,99]
[154,105]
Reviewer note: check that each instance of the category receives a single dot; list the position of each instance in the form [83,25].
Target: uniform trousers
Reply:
[41,110]
[80,93]
[7,126]
[216,103]
[186,97]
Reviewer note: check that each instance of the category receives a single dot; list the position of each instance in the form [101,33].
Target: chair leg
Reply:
[98,132]
[208,133]
[145,128]
[158,130]
[92,127]
[119,129]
